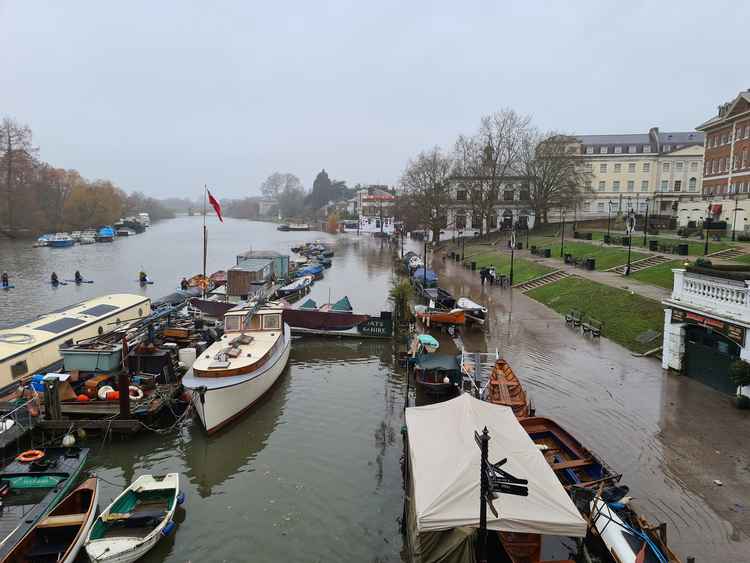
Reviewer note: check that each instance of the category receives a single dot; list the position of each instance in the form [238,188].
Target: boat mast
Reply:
[205,238]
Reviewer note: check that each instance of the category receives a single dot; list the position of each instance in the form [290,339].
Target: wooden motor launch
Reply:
[234,372]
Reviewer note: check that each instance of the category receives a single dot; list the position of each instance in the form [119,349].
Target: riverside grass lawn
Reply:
[695,246]
[606,256]
[523,270]
[625,315]
[660,275]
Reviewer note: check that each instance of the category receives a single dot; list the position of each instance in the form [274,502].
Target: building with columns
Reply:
[644,172]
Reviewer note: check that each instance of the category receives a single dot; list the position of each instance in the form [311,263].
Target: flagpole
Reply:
[205,237]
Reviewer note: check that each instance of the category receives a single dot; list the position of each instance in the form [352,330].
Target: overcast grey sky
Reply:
[163,96]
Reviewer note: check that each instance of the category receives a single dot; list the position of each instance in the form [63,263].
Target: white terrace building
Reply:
[652,170]
[706,322]
[513,207]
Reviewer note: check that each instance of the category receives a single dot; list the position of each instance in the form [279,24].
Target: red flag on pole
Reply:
[215,204]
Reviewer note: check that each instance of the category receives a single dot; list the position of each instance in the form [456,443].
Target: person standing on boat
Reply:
[143,277]
[53,279]
[6,281]
[78,277]
[184,285]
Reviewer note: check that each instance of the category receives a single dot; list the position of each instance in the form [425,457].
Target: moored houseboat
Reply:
[233,373]
[34,347]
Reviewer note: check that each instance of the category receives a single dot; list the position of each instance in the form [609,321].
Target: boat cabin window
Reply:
[254,323]
[19,369]
[272,322]
[232,323]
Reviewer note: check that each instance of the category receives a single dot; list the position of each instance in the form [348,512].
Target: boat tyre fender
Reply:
[30,456]
[181,498]
[135,392]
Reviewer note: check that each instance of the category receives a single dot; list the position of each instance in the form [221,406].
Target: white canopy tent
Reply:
[445,460]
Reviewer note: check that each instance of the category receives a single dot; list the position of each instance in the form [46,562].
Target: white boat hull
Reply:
[217,406]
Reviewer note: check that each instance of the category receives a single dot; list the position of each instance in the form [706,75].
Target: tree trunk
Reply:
[8,183]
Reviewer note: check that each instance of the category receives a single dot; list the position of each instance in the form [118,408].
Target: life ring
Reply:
[30,455]
[135,393]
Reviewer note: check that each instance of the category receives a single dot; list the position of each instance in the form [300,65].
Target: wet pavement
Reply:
[669,436]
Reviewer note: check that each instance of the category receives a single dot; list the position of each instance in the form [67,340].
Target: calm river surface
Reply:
[312,473]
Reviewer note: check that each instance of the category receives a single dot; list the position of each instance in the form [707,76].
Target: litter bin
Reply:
[606,239]
[625,241]
[519,246]
[533,249]
[682,249]
[589,236]
[548,253]
[590,264]
[653,245]
[473,266]
[568,258]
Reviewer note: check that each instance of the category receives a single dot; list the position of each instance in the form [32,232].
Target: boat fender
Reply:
[68,441]
[135,392]
[168,528]
[616,505]
[102,392]
[181,498]
[30,455]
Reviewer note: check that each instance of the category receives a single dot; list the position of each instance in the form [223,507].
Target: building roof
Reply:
[615,139]
[252,264]
[259,254]
[726,111]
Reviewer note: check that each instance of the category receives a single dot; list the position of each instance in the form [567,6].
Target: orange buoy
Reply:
[30,455]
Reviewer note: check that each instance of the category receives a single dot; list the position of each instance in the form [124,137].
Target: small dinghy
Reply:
[505,389]
[297,286]
[474,311]
[136,520]
[60,536]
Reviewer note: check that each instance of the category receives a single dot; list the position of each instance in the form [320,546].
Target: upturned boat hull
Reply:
[220,400]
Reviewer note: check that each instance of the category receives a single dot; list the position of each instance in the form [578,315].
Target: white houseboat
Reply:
[33,347]
[233,373]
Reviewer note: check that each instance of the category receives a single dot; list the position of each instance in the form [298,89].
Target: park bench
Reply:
[573,318]
[592,326]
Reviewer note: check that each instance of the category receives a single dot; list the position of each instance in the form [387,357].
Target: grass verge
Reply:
[695,246]
[624,315]
[523,270]
[660,275]
[606,256]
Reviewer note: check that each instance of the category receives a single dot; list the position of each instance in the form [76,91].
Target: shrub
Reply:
[739,372]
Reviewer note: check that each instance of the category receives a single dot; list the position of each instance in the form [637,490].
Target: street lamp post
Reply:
[630,227]
[705,229]
[645,225]
[609,217]
[562,234]
[512,251]
[424,267]
[734,221]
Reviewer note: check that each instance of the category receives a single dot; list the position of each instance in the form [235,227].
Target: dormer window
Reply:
[632,149]
[646,148]
[603,150]
[589,150]
[618,150]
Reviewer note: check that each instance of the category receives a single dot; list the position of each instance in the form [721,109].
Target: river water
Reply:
[312,473]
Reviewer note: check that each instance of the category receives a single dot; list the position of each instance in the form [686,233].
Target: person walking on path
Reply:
[6,280]
[483,275]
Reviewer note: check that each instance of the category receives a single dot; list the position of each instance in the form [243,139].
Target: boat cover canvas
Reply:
[469,305]
[437,362]
[342,305]
[428,340]
[309,304]
[445,459]
[420,274]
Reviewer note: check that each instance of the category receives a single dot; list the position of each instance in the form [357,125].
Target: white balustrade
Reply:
[719,294]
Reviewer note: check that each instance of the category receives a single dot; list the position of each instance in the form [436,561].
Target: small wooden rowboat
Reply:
[434,316]
[136,520]
[503,388]
[60,536]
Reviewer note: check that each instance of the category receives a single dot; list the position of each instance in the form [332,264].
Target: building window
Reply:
[646,166]
[667,148]
[679,166]
[589,166]
[588,185]
[616,186]
[602,150]
[678,185]
[589,150]
[460,221]
[721,165]
[632,149]
[744,158]
[602,185]
[644,185]
[744,187]
[664,185]
[461,195]
[618,167]
[665,167]
[524,194]
[693,166]
[603,167]
[587,206]
[508,195]
[600,206]
[618,150]
[747,130]
[646,148]
[714,166]
[692,184]
[631,167]
[631,186]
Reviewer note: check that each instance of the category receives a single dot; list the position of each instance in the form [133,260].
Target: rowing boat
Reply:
[504,389]
[433,316]
[60,536]
[136,520]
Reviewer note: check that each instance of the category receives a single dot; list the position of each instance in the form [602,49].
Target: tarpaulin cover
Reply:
[445,460]
[420,275]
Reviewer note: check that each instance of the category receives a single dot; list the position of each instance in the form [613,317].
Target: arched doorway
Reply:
[507,219]
[708,355]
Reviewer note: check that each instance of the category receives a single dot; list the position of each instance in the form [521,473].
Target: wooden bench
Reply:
[573,317]
[63,520]
[593,327]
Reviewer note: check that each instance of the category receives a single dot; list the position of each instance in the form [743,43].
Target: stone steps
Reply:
[641,264]
[727,254]
[552,277]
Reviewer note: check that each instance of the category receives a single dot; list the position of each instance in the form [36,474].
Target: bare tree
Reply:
[426,189]
[279,182]
[15,151]
[556,172]
[486,160]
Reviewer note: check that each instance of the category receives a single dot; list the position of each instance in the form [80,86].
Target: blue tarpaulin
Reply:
[419,274]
